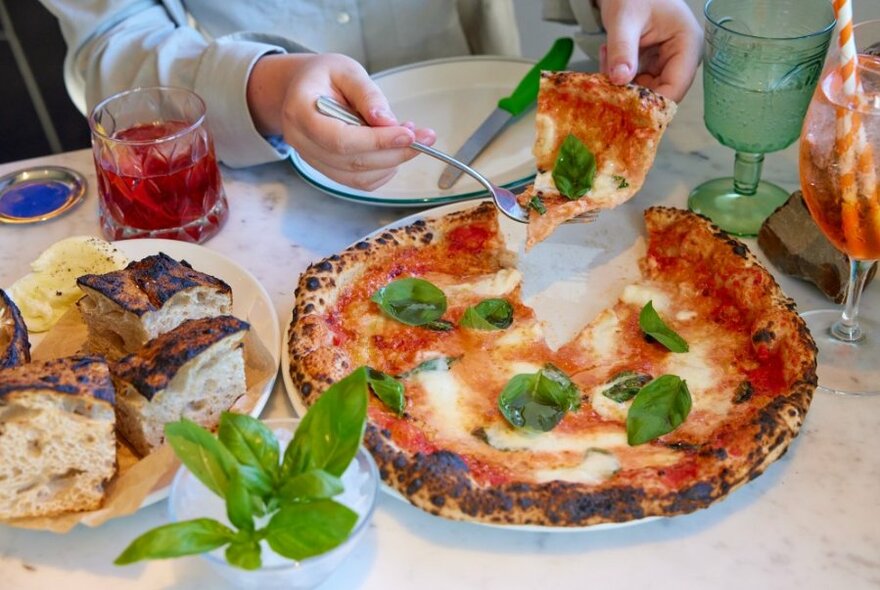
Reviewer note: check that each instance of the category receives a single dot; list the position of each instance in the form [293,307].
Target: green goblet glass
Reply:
[763,59]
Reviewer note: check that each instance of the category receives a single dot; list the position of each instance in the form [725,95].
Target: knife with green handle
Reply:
[522,99]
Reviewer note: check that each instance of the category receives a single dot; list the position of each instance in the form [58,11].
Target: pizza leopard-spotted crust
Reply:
[449,482]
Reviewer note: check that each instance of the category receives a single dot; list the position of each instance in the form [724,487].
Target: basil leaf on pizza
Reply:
[658,409]
[575,169]
[488,314]
[412,301]
[441,363]
[653,325]
[537,203]
[538,401]
[625,385]
[388,389]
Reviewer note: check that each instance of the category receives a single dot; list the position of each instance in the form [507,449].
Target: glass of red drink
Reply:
[157,172]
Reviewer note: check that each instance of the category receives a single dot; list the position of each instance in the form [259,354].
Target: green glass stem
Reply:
[847,327]
[747,173]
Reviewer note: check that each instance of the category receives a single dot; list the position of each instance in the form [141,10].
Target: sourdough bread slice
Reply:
[195,371]
[15,348]
[126,308]
[57,439]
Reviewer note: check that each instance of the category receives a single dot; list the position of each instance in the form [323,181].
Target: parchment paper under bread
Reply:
[135,478]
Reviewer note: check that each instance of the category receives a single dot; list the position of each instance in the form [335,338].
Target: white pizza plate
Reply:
[250,302]
[453,97]
[568,279]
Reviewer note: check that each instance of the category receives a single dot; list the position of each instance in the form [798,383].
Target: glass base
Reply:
[733,212]
[846,368]
[196,231]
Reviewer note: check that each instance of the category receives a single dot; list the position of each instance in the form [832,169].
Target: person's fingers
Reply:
[367,181]
[359,91]
[624,28]
[678,71]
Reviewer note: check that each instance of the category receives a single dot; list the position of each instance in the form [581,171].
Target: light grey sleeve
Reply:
[583,13]
[113,45]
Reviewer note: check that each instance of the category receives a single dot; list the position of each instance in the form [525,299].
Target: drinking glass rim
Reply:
[96,127]
[835,97]
[828,28]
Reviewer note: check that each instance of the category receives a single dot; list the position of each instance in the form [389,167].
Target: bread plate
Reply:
[251,303]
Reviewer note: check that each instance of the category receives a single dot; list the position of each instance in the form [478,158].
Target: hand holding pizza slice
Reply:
[594,146]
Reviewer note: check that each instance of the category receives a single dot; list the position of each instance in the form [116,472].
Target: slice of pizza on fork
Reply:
[595,143]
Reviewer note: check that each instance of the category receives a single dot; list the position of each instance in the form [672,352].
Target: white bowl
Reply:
[191,499]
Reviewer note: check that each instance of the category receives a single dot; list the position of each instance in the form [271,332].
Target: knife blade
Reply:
[521,100]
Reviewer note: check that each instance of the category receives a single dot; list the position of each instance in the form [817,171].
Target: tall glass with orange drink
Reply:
[840,179]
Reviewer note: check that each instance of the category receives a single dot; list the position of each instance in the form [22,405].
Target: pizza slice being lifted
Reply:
[595,142]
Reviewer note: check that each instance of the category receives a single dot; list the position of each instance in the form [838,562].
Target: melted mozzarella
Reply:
[494,285]
[597,466]
[639,295]
[521,334]
[443,393]
[604,335]
[702,377]
[607,407]
[507,438]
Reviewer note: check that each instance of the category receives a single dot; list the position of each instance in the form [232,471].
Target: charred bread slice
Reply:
[15,348]
[195,371]
[57,439]
[124,309]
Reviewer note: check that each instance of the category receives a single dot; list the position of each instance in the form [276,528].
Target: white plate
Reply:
[453,97]
[567,279]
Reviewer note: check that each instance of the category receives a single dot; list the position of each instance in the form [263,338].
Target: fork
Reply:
[504,200]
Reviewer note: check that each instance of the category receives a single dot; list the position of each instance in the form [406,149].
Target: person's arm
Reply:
[260,98]
[113,45]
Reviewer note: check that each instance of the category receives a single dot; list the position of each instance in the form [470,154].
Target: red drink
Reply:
[158,179]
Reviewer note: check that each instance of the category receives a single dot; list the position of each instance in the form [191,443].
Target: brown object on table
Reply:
[794,244]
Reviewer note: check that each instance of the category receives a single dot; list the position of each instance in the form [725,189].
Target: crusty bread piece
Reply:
[124,309]
[195,371]
[15,348]
[57,439]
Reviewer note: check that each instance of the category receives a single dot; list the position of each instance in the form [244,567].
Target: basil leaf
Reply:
[255,479]
[489,314]
[659,408]
[244,554]
[441,363]
[250,441]
[538,401]
[412,301]
[439,325]
[621,181]
[537,204]
[625,385]
[299,531]
[388,389]
[188,537]
[656,328]
[239,508]
[575,169]
[311,485]
[330,433]
[202,454]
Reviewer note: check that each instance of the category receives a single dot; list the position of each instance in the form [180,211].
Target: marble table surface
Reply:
[811,521]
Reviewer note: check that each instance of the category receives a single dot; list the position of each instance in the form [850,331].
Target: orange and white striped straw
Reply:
[851,143]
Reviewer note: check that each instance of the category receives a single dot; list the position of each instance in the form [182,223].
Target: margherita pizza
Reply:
[689,386]
[595,142]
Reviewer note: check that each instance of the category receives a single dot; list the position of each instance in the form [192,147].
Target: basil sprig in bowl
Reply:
[190,499]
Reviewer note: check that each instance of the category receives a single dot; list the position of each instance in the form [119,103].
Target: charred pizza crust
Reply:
[443,483]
